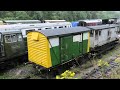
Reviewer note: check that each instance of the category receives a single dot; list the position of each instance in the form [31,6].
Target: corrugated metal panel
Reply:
[63,31]
[39,51]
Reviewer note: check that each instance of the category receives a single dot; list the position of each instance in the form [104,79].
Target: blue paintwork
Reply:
[74,24]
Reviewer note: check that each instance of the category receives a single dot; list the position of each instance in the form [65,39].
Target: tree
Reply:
[66,15]
[22,15]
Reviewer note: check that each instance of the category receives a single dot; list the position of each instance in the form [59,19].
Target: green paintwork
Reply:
[76,49]
[81,47]
[66,48]
[70,49]
[85,44]
[55,55]
[13,49]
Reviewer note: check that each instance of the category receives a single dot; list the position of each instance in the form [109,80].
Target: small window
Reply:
[19,37]
[91,33]
[118,29]
[65,26]
[96,34]
[14,38]
[8,39]
[108,33]
[99,32]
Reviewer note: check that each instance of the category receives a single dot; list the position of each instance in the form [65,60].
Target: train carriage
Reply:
[24,28]
[11,45]
[103,37]
[91,22]
[20,21]
[49,48]
[53,21]
[103,34]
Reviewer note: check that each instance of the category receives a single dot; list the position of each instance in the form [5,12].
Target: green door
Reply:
[77,45]
[71,47]
[85,42]
[66,48]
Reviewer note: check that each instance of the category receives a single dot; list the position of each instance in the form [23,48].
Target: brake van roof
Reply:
[63,31]
[102,26]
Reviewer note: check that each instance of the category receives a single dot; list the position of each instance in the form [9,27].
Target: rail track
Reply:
[99,72]
[94,73]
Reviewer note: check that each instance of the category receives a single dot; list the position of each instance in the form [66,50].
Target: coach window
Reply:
[48,28]
[61,27]
[19,37]
[8,39]
[14,38]
[39,29]
[55,27]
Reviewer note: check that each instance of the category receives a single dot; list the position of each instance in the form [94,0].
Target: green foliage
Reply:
[66,75]
[66,15]
[102,63]
[22,15]
[117,60]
